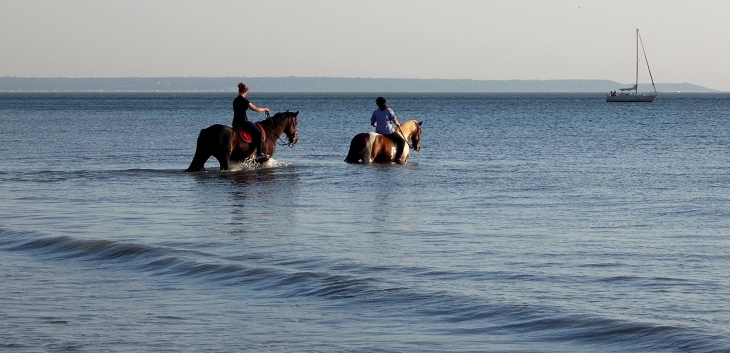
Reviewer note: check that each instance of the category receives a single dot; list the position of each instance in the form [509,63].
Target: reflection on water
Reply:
[258,200]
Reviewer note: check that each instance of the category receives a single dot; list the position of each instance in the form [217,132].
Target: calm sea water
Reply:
[527,223]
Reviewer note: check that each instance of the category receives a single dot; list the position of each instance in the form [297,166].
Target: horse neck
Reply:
[272,127]
[408,128]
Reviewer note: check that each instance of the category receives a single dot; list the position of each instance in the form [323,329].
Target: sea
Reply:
[526,223]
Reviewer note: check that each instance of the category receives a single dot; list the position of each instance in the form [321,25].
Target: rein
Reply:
[278,137]
[400,132]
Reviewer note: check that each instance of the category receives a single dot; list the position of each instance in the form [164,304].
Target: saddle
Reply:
[246,136]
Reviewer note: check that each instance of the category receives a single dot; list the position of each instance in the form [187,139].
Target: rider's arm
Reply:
[394,120]
[257,109]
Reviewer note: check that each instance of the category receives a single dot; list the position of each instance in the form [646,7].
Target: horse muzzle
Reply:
[293,141]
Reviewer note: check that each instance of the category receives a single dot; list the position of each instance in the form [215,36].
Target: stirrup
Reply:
[262,157]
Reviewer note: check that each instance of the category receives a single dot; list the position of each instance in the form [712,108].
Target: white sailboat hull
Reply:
[634,97]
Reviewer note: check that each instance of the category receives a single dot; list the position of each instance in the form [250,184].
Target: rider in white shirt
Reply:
[387,124]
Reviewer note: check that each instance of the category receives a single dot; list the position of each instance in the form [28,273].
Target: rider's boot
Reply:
[262,157]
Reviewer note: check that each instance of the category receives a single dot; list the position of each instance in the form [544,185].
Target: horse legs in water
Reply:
[223,159]
[359,149]
[202,153]
[198,163]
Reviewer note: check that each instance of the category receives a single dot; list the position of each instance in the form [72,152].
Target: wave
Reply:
[451,312]
[162,260]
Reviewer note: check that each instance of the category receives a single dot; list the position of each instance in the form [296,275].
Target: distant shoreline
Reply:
[323,85]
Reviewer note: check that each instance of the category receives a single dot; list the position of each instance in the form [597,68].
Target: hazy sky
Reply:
[686,41]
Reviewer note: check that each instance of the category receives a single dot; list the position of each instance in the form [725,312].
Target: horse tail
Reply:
[202,153]
[358,146]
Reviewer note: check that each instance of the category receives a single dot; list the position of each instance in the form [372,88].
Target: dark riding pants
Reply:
[399,143]
[255,134]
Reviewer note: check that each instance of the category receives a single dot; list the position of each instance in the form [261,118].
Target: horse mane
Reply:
[276,119]
[410,128]
[411,122]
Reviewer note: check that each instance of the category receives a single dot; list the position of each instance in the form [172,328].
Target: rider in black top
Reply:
[240,105]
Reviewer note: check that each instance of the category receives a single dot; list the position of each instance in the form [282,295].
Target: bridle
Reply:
[278,137]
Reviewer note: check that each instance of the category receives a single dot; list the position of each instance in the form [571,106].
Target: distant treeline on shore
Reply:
[318,84]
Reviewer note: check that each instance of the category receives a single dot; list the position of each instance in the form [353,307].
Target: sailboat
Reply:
[631,94]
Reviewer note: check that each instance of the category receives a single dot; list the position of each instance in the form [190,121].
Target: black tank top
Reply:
[240,105]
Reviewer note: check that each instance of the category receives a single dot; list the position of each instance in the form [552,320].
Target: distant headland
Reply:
[319,84]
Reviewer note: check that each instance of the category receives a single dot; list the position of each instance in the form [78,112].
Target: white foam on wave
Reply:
[252,165]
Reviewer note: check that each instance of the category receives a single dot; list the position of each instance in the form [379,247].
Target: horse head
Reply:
[284,123]
[416,136]
[290,129]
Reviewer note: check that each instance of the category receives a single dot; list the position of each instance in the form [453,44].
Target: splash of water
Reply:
[253,165]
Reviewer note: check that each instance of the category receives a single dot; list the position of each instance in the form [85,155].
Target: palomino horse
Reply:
[226,145]
[369,147]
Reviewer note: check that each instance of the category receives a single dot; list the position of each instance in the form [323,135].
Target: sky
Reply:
[685,41]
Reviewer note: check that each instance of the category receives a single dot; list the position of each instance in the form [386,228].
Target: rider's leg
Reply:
[257,138]
[399,145]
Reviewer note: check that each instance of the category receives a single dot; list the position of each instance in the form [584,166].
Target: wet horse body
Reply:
[371,147]
[226,145]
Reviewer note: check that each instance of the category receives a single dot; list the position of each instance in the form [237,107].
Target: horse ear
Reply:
[421,122]
[296,113]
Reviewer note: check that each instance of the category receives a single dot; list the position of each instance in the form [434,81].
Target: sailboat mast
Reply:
[637,61]
[647,63]
[626,95]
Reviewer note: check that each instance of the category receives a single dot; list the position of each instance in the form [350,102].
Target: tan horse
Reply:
[369,147]
[226,145]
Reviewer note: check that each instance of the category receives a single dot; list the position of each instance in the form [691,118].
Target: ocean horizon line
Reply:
[324,84]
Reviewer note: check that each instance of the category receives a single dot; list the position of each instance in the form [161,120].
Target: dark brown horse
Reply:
[226,145]
[369,147]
